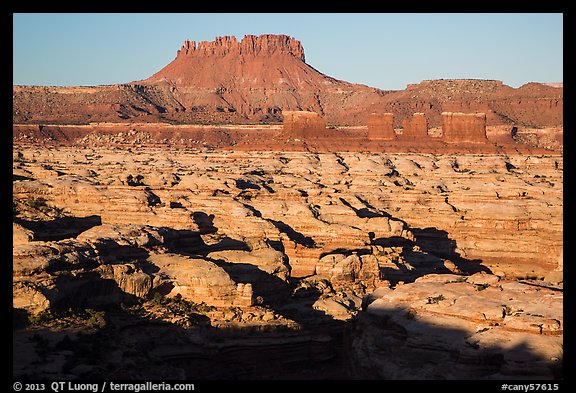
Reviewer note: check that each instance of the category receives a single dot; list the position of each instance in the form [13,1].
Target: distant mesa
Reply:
[227,64]
[558,85]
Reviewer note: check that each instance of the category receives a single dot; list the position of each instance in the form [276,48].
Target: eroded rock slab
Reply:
[454,327]
[442,261]
[503,212]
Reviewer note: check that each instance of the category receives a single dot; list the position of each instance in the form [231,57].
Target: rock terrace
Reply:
[287,249]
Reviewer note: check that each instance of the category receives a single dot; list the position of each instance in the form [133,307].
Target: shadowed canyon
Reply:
[239,215]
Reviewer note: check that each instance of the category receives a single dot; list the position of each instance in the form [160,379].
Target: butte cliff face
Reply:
[221,81]
[256,78]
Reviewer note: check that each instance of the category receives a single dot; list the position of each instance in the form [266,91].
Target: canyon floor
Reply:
[169,263]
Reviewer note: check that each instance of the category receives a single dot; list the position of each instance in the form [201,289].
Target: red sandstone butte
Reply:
[381,126]
[250,45]
[303,124]
[415,128]
[464,127]
[252,78]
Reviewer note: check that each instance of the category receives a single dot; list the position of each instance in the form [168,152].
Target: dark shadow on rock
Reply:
[113,253]
[276,245]
[185,239]
[152,199]
[436,241]
[322,348]
[425,254]
[270,287]
[87,290]
[145,348]
[273,290]
[363,212]
[432,241]
[20,177]
[369,211]
[60,228]
[204,222]
[244,184]
[347,252]
[224,244]
[403,347]
[19,318]
[191,242]
[125,342]
[134,180]
[267,187]
[292,234]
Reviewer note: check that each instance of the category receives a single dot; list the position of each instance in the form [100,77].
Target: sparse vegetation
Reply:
[459,279]
[481,287]
[178,307]
[506,310]
[39,205]
[69,318]
[435,299]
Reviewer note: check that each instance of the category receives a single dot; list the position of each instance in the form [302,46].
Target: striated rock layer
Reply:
[453,327]
[311,135]
[201,264]
[381,126]
[303,124]
[417,128]
[504,212]
[464,127]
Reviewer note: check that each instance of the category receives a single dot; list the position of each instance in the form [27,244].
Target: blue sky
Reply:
[381,50]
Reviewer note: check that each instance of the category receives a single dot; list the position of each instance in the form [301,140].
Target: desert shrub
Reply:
[435,299]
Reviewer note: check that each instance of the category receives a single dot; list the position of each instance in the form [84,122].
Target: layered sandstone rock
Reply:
[502,212]
[303,124]
[374,258]
[453,327]
[381,126]
[200,280]
[464,127]
[114,204]
[415,128]
[250,45]
[114,263]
